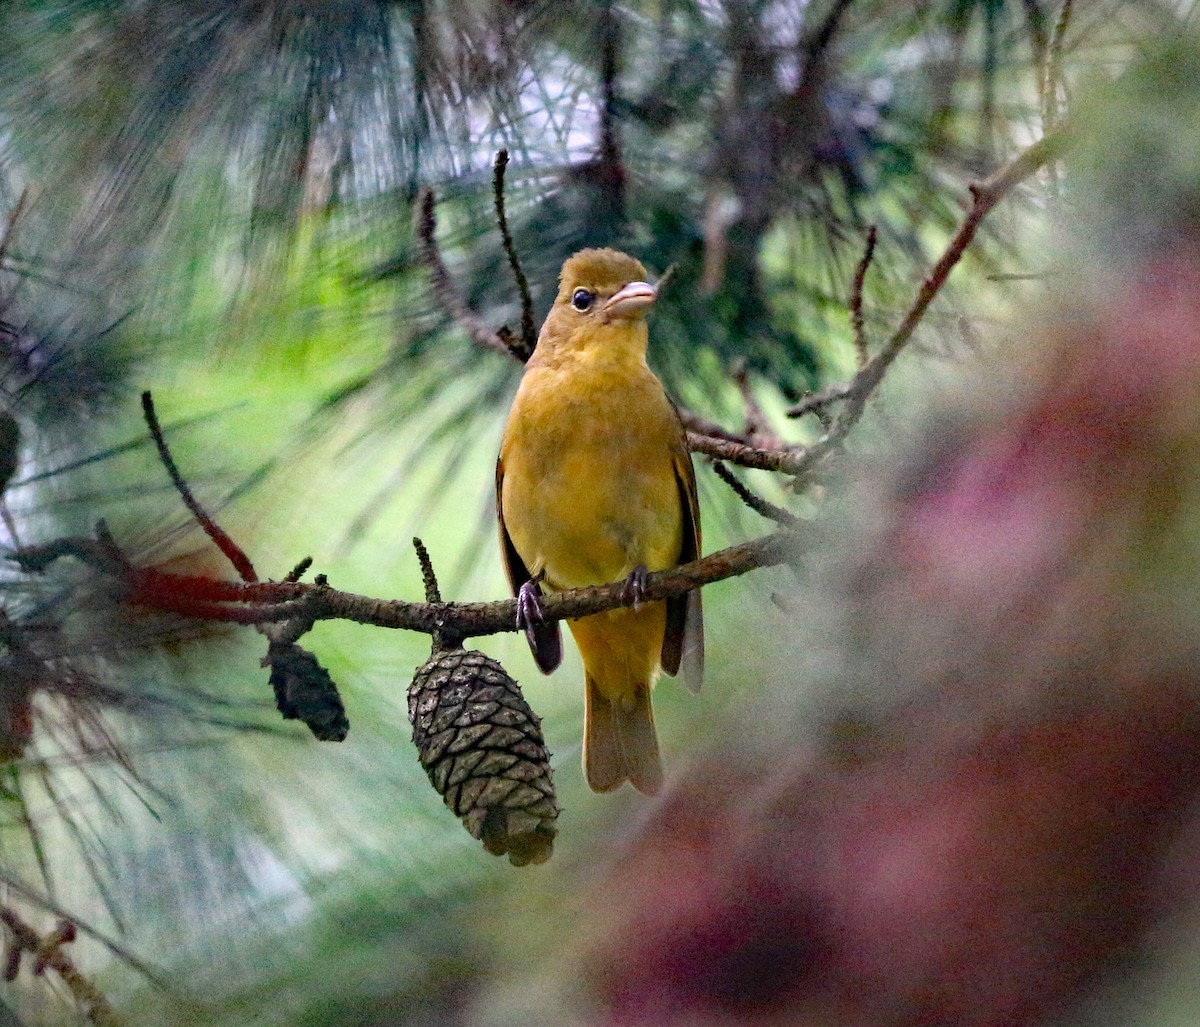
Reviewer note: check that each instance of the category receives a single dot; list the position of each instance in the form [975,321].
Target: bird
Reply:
[595,484]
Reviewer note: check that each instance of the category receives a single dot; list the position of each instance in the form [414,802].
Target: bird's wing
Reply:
[545,639]
[683,640]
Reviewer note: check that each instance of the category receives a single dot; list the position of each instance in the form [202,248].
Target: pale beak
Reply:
[630,301]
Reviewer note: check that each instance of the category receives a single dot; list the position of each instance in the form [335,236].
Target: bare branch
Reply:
[528,328]
[856,298]
[10,226]
[791,460]
[270,602]
[433,594]
[701,425]
[984,196]
[756,502]
[233,552]
[297,572]
[444,289]
[758,427]
[1052,69]
[815,402]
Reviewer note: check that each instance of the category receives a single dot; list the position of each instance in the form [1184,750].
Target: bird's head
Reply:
[603,296]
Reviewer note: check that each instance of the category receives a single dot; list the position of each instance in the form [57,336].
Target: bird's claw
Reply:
[529,607]
[635,585]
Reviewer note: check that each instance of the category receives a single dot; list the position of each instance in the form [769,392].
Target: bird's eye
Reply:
[581,299]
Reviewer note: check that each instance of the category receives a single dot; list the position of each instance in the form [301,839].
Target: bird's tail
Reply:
[619,742]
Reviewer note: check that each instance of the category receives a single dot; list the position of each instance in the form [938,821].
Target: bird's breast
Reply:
[589,482]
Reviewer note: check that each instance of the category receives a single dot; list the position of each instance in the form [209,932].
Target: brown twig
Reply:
[702,426]
[758,428]
[10,224]
[790,460]
[756,502]
[816,402]
[433,594]
[297,572]
[1052,69]
[231,550]
[48,954]
[528,328]
[984,196]
[303,688]
[444,289]
[611,165]
[857,325]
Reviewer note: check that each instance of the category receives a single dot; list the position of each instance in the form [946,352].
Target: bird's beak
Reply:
[630,301]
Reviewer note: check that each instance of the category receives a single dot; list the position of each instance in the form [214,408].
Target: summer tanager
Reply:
[595,484]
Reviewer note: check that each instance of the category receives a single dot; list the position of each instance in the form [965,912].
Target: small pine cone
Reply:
[305,691]
[483,750]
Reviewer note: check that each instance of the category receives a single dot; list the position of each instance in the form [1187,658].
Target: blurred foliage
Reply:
[216,201]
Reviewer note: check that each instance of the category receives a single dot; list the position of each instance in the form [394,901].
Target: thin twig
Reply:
[10,225]
[233,552]
[856,299]
[661,285]
[1052,69]
[702,426]
[792,460]
[984,196]
[758,428]
[756,502]
[294,672]
[433,594]
[816,402]
[528,328]
[444,289]
[611,165]
[297,572]
[49,955]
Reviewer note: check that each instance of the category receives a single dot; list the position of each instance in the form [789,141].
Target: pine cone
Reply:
[483,750]
[305,691]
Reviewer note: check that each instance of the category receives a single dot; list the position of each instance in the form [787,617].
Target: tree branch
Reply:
[984,196]
[271,602]
[791,460]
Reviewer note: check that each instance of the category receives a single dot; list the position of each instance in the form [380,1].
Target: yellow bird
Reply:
[595,484]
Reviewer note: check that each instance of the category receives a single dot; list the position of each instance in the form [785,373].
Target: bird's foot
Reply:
[635,585]
[529,608]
